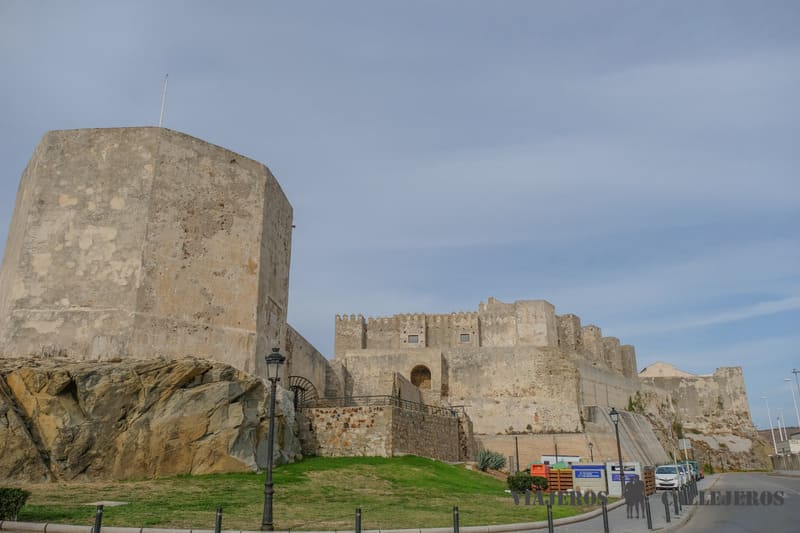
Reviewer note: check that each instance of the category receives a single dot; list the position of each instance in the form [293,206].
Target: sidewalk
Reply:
[619,523]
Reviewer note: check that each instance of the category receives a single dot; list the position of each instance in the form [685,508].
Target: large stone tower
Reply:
[140,242]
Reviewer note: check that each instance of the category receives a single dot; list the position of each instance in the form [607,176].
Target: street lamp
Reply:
[274,362]
[771,429]
[781,425]
[794,400]
[615,418]
[591,453]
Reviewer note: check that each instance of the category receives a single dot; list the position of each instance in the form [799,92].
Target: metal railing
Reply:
[384,401]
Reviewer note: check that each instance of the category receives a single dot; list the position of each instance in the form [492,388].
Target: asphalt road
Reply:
[748,516]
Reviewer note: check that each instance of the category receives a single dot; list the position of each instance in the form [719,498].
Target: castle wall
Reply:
[405,390]
[524,322]
[143,242]
[346,431]
[601,386]
[445,331]
[514,389]
[302,359]
[378,431]
[637,441]
[350,334]
[369,372]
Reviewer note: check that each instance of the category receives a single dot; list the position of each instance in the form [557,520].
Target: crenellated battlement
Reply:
[495,324]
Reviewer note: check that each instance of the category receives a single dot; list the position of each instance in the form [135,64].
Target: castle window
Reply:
[464,337]
[421,377]
[413,339]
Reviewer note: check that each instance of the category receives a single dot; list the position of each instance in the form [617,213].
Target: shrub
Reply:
[539,483]
[520,482]
[708,469]
[11,501]
[490,460]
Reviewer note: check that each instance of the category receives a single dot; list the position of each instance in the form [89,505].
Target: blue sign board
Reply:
[628,477]
[588,471]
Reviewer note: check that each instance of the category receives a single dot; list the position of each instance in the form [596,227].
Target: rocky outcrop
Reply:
[720,436]
[63,420]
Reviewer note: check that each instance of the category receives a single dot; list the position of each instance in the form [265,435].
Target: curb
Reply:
[30,527]
[694,508]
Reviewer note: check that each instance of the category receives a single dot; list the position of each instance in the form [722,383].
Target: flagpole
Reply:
[163,101]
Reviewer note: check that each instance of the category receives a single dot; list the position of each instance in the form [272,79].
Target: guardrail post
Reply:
[98,519]
[218,521]
[358,519]
[648,513]
[549,517]
[455,519]
[605,516]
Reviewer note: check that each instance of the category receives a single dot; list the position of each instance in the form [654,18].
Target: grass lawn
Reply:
[314,494]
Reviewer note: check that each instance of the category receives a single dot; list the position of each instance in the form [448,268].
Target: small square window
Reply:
[413,339]
[464,337]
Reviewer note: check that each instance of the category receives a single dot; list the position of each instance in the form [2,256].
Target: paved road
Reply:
[750,518]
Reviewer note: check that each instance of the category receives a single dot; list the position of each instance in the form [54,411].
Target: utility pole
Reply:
[794,400]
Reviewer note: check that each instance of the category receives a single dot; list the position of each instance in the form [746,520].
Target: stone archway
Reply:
[305,393]
[421,377]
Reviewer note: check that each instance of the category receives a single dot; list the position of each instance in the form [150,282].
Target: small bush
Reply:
[11,501]
[490,460]
[520,482]
[539,483]
[708,469]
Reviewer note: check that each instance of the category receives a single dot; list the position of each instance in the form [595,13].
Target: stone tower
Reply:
[143,242]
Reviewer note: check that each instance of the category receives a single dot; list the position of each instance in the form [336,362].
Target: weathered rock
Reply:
[68,420]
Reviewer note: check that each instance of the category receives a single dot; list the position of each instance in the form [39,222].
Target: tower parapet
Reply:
[612,353]
[350,334]
[592,343]
[629,361]
[569,333]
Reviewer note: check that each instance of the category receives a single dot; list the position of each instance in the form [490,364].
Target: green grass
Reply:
[314,494]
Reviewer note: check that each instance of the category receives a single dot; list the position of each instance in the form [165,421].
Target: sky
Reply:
[634,163]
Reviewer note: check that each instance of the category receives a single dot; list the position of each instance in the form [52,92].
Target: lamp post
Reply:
[615,418]
[771,428]
[794,400]
[274,362]
[591,452]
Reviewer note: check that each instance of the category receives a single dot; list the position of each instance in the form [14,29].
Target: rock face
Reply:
[62,420]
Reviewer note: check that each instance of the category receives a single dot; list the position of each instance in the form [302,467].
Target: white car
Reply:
[669,477]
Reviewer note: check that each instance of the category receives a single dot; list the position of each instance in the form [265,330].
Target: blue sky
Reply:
[634,163]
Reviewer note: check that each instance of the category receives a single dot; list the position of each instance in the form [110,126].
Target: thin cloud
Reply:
[759,309]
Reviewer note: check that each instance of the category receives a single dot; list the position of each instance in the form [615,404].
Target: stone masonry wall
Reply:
[304,360]
[425,434]
[378,431]
[346,431]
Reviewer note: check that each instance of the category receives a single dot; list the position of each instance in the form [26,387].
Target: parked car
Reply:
[686,473]
[669,477]
[698,472]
